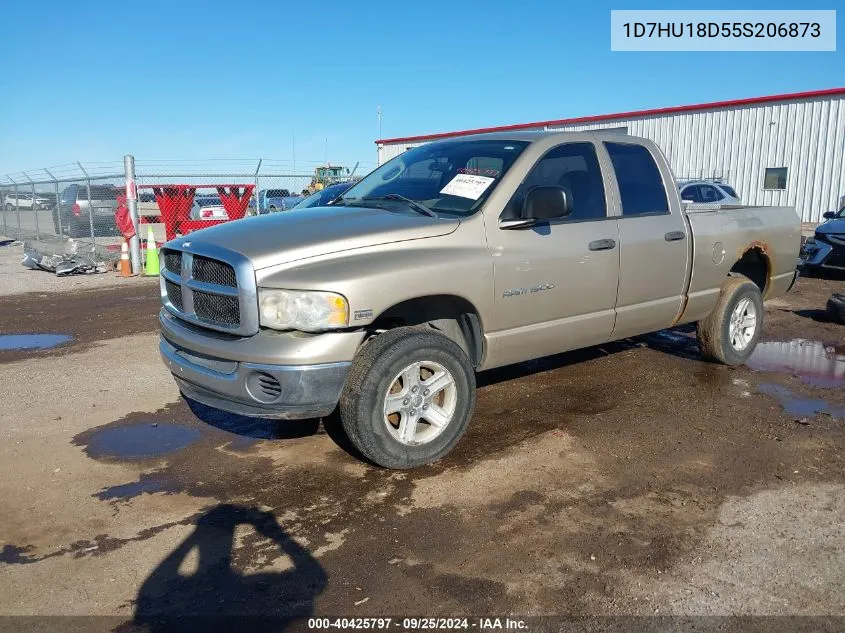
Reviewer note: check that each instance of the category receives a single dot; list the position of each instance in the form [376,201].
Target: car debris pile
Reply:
[63,258]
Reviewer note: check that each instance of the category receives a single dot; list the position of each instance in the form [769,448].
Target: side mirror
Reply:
[546,203]
[828,215]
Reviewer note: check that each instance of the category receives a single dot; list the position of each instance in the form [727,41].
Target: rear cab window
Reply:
[641,186]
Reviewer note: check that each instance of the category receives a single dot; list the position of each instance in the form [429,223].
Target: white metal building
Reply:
[778,150]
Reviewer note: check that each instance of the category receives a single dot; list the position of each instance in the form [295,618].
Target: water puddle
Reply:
[17,342]
[140,441]
[799,406]
[814,363]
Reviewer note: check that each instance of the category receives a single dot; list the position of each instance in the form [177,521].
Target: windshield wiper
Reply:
[416,206]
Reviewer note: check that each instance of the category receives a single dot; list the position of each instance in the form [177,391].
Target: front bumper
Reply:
[278,391]
[820,254]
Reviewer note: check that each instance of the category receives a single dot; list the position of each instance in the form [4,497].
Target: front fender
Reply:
[374,279]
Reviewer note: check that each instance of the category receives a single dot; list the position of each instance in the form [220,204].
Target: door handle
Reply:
[602,245]
[674,236]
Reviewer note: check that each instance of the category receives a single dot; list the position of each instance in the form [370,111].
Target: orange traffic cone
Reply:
[125,265]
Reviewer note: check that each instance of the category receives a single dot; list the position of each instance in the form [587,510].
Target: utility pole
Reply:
[378,113]
[132,205]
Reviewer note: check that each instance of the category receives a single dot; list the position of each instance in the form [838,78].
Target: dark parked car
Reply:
[826,249]
[324,196]
[77,213]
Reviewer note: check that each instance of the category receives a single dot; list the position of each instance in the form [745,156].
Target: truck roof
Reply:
[533,136]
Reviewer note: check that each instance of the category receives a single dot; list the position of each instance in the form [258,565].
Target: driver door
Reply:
[555,283]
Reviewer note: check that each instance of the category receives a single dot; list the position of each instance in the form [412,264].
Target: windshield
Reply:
[452,177]
[729,190]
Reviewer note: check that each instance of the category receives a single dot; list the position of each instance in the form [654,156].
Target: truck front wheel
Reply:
[408,398]
[730,332]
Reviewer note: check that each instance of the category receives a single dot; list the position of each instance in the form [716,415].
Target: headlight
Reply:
[305,311]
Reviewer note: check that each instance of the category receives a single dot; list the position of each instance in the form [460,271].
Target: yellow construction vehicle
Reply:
[327,175]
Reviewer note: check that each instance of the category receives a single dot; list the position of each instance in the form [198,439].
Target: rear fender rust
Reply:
[766,250]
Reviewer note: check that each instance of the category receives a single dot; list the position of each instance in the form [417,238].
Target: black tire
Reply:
[373,371]
[10,207]
[714,331]
[836,308]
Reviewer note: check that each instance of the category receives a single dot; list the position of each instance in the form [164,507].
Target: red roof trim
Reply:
[623,115]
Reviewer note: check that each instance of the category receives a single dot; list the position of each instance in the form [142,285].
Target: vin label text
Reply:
[723,30]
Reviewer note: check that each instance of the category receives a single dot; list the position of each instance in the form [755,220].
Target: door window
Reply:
[640,183]
[573,166]
[710,194]
[691,193]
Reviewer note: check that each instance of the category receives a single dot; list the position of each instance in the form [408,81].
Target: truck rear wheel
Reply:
[408,398]
[730,332]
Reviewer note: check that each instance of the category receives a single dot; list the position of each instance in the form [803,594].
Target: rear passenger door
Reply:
[654,242]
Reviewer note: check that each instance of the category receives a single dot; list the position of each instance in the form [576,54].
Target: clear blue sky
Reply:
[92,80]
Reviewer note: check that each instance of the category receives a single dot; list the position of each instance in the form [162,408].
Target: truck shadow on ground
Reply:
[679,341]
[213,591]
[819,316]
[252,427]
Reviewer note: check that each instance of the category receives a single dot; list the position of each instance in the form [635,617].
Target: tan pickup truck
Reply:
[456,257]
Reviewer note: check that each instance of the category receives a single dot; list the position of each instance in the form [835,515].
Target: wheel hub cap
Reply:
[420,403]
[743,324]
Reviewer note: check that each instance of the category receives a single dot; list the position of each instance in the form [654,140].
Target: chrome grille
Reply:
[217,308]
[174,294]
[210,286]
[213,272]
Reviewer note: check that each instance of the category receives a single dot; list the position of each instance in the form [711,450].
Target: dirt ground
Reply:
[629,479]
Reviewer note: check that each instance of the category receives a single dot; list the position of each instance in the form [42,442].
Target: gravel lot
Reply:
[631,479]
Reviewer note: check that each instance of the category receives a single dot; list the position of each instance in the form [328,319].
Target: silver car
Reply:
[708,192]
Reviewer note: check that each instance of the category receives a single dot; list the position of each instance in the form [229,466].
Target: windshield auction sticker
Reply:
[467,186]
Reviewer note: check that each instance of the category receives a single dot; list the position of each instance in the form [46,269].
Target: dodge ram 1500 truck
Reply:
[458,256]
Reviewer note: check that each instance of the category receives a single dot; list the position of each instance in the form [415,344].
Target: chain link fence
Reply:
[81,202]
[57,209]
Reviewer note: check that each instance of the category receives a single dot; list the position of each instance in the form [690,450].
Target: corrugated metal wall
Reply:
[806,136]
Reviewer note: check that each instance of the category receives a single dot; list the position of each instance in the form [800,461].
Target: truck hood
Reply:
[279,238]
